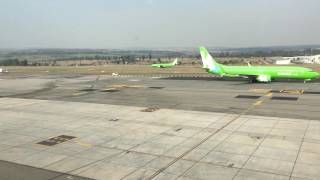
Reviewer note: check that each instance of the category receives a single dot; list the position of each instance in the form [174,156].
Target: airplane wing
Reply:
[258,77]
[248,76]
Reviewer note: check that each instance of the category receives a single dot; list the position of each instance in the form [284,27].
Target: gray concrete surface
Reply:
[193,93]
[200,131]
[13,171]
[121,142]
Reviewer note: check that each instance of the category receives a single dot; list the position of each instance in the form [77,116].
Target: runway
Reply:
[136,127]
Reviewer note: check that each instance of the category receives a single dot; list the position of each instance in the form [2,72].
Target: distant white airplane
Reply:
[3,70]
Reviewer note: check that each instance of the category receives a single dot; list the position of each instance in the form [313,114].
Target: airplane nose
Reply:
[317,74]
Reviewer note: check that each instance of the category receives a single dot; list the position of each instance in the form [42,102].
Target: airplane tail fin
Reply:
[175,62]
[208,62]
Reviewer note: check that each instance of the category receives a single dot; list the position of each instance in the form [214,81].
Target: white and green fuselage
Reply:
[256,73]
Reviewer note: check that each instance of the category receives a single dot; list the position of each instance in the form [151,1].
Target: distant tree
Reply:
[150,56]
[24,63]
[131,59]
[10,62]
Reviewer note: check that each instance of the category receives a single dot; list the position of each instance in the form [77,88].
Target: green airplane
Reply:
[166,65]
[256,73]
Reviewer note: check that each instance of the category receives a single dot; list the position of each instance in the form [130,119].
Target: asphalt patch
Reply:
[110,90]
[156,87]
[88,90]
[56,140]
[248,97]
[284,98]
[149,110]
[311,92]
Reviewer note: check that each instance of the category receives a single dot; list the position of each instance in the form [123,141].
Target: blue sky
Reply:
[157,23]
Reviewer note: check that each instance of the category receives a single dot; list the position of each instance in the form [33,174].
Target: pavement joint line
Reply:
[202,141]
[114,155]
[203,129]
[251,155]
[284,109]
[92,163]
[31,154]
[166,156]
[302,140]
[234,132]
[77,153]
[211,150]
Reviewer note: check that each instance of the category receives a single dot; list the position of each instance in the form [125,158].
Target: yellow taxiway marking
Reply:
[79,93]
[269,94]
[109,89]
[119,86]
[258,103]
[84,144]
[136,86]
[292,91]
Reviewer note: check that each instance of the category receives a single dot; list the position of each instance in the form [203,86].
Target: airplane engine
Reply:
[264,78]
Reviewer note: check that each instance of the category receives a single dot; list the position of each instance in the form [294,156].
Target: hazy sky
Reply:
[157,23]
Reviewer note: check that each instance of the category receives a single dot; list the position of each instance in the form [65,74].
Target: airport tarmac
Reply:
[138,127]
[293,99]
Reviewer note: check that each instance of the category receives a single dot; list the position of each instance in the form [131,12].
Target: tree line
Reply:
[268,53]
[14,62]
[131,59]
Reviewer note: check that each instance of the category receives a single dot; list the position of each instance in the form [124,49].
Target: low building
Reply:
[306,59]
[297,59]
[283,62]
